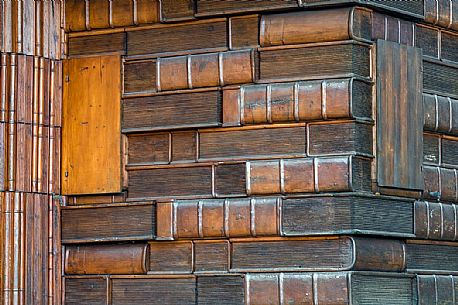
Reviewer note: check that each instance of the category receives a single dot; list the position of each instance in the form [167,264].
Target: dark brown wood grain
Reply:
[205,35]
[139,76]
[211,256]
[244,31]
[91,45]
[427,257]
[315,62]
[217,7]
[108,223]
[92,290]
[170,257]
[440,78]
[173,10]
[449,150]
[202,109]
[399,105]
[220,289]
[427,39]
[435,220]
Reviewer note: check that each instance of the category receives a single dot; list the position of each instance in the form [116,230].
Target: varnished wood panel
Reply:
[91,160]
[176,10]
[244,31]
[106,259]
[95,44]
[139,76]
[202,109]
[108,223]
[86,290]
[154,291]
[315,62]
[217,7]
[399,106]
[205,35]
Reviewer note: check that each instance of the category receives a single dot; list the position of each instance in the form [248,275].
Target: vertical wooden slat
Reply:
[399,116]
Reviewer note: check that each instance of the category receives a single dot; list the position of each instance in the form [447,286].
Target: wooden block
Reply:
[315,26]
[108,223]
[96,44]
[164,220]
[347,215]
[202,70]
[25,89]
[91,290]
[431,148]
[448,184]
[170,257]
[173,10]
[3,156]
[43,160]
[307,62]
[96,199]
[237,67]
[396,143]
[448,45]
[139,76]
[55,113]
[298,176]
[449,223]
[75,15]
[238,213]
[244,31]
[216,7]
[449,150]
[265,221]
[435,220]
[263,289]
[122,13]
[149,148]
[211,256]
[92,82]
[231,108]
[24,157]
[318,254]
[220,289]
[431,182]
[297,288]
[184,146]
[332,174]
[99,14]
[331,288]
[157,291]
[281,103]
[254,105]
[252,142]
[187,219]
[430,114]
[407,29]
[170,182]
[426,257]
[340,138]
[263,178]
[106,259]
[230,180]
[202,109]
[205,35]
[213,218]
[440,78]
[147,11]
[443,113]
[173,73]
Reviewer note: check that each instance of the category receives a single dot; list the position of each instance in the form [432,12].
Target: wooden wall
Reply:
[234,152]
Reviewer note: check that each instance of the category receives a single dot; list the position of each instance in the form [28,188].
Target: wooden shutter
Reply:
[91,132]
[399,116]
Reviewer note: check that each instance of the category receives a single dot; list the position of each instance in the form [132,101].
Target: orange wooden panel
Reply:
[91,133]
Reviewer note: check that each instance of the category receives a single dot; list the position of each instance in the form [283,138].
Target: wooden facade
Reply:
[229,152]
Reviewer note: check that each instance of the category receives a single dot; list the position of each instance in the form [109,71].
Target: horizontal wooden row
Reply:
[31,90]
[31,28]
[99,14]
[436,220]
[436,289]
[335,288]
[256,142]
[441,114]
[442,13]
[440,183]
[30,250]
[242,255]
[30,158]
[241,217]
[440,150]
[187,72]
[263,255]
[440,78]
[285,176]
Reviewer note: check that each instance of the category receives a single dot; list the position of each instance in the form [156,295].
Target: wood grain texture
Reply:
[442,13]
[437,257]
[108,223]
[449,151]
[157,291]
[436,288]
[346,215]
[170,257]
[106,259]
[315,62]
[91,110]
[218,7]
[173,10]
[244,31]
[440,114]
[211,257]
[400,108]
[440,78]
[206,35]
[91,290]
[202,109]
[96,44]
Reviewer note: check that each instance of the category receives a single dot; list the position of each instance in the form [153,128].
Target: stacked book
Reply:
[273,152]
